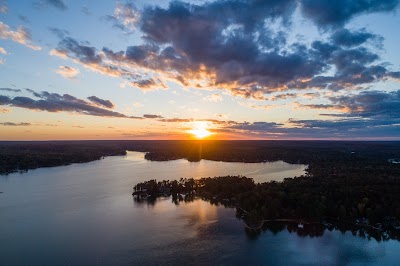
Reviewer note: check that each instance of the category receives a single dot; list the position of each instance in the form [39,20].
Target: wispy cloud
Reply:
[213,98]
[152,116]
[12,124]
[59,4]
[101,102]
[68,72]
[10,90]
[125,17]
[21,35]
[3,7]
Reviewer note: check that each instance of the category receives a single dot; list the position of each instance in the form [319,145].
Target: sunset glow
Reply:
[200,130]
[224,70]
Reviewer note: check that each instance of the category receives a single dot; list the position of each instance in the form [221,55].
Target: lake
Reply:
[85,214]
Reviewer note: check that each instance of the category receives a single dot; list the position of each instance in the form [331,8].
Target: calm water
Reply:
[84,213]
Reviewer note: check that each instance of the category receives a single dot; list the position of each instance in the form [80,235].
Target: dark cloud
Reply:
[10,90]
[60,4]
[283,96]
[152,116]
[149,84]
[256,126]
[341,124]
[53,102]
[366,114]
[371,104]
[353,66]
[101,102]
[15,124]
[347,38]
[349,128]
[175,120]
[241,46]
[84,53]
[60,33]
[327,13]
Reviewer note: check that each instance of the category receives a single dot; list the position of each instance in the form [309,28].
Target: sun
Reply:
[200,130]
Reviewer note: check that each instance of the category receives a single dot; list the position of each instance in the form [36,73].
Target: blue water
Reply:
[85,214]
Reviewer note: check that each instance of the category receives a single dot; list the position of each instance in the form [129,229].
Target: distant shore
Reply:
[25,155]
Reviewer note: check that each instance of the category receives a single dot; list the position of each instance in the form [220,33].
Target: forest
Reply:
[351,183]
[25,155]
[357,197]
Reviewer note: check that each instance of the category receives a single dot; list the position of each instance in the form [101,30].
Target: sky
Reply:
[223,69]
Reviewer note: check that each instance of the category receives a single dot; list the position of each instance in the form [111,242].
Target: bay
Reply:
[85,214]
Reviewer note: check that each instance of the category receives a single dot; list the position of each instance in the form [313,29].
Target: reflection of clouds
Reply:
[212,234]
[333,248]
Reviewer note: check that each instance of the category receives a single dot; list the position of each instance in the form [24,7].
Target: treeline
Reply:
[370,200]
[22,156]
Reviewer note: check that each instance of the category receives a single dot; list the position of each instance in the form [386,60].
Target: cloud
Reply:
[105,103]
[68,72]
[326,13]
[125,17]
[213,98]
[283,96]
[53,102]
[242,47]
[3,7]
[345,37]
[60,33]
[148,84]
[311,95]
[176,120]
[255,126]
[24,19]
[3,51]
[366,114]
[59,4]
[152,116]
[349,128]
[10,90]
[1,61]
[15,124]
[325,106]
[86,10]
[371,104]
[21,35]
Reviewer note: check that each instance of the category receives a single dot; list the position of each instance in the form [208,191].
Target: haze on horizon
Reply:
[222,69]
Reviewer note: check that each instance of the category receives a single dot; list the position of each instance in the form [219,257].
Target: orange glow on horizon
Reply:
[200,130]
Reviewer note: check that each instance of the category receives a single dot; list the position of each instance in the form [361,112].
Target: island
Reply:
[361,198]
